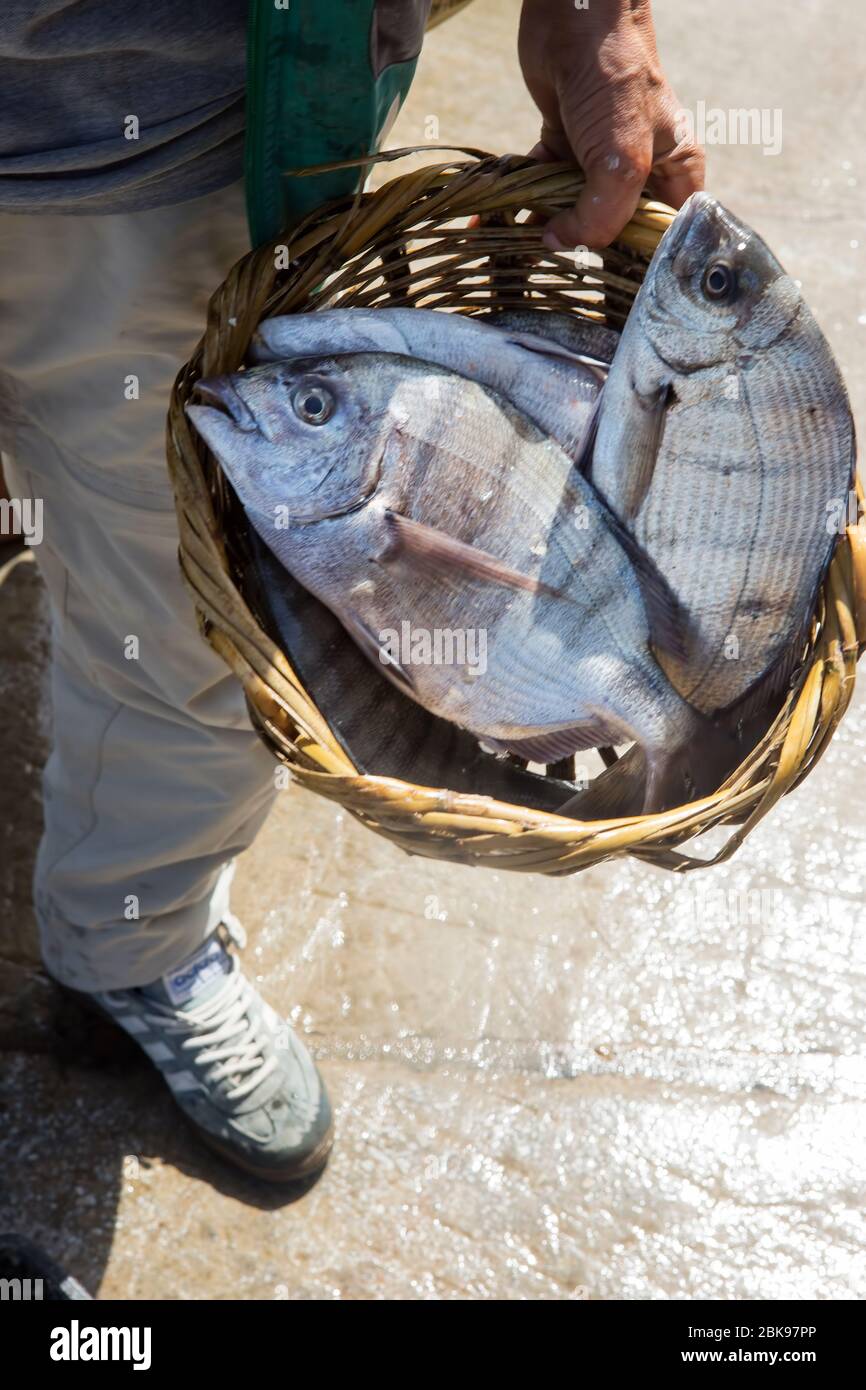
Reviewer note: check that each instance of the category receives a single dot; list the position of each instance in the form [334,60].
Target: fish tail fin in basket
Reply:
[675,776]
[645,783]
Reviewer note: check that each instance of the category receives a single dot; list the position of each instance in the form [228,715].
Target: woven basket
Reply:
[408,243]
[443,9]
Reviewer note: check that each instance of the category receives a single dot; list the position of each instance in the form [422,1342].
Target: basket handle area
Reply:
[857,544]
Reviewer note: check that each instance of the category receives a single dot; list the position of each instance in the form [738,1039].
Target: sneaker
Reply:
[235,1068]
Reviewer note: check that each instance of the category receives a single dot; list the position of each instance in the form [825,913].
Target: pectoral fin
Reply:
[547,348]
[583,461]
[583,337]
[668,621]
[441,555]
[640,465]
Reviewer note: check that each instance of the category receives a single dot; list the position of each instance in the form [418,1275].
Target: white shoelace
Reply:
[223,1032]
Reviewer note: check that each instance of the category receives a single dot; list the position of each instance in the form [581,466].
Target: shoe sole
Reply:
[307,1167]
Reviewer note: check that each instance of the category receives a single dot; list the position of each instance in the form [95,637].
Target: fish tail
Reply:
[614,794]
[684,772]
[682,769]
[666,773]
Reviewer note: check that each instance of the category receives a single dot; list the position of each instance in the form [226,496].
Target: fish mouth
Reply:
[703,228]
[694,206]
[219,391]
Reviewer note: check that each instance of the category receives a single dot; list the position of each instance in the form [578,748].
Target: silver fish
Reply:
[725,442]
[399,493]
[555,380]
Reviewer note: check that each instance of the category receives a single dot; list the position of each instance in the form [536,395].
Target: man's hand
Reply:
[594,74]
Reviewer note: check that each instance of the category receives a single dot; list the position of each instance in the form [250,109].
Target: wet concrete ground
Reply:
[622,1085]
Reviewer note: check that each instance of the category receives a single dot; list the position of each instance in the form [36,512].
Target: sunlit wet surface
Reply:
[621,1085]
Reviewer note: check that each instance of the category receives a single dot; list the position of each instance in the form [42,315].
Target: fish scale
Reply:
[541,493]
[541,487]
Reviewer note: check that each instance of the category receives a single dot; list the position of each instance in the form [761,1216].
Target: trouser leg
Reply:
[155,780]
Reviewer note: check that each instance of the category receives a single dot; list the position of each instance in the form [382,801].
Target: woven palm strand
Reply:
[409,243]
[441,10]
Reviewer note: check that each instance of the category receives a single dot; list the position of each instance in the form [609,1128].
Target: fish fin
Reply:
[646,782]
[580,335]
[616,793]
[365,638]
[560,743]
[548,348]
[642,459]
[697,768]
[586,447]
[439,553]
[669,780]
[668,620]
[702,764]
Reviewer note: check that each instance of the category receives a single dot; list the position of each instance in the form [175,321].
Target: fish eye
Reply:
[719,281]
[313,404]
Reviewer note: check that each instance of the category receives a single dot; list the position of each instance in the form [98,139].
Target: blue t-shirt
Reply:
[115,106]
[121,105]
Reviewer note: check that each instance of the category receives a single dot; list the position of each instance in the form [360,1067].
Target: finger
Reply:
[551,148]
[679,175]
[614,184]
[542,153]
[554,144]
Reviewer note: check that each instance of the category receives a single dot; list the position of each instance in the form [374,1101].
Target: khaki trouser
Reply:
[155,780]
